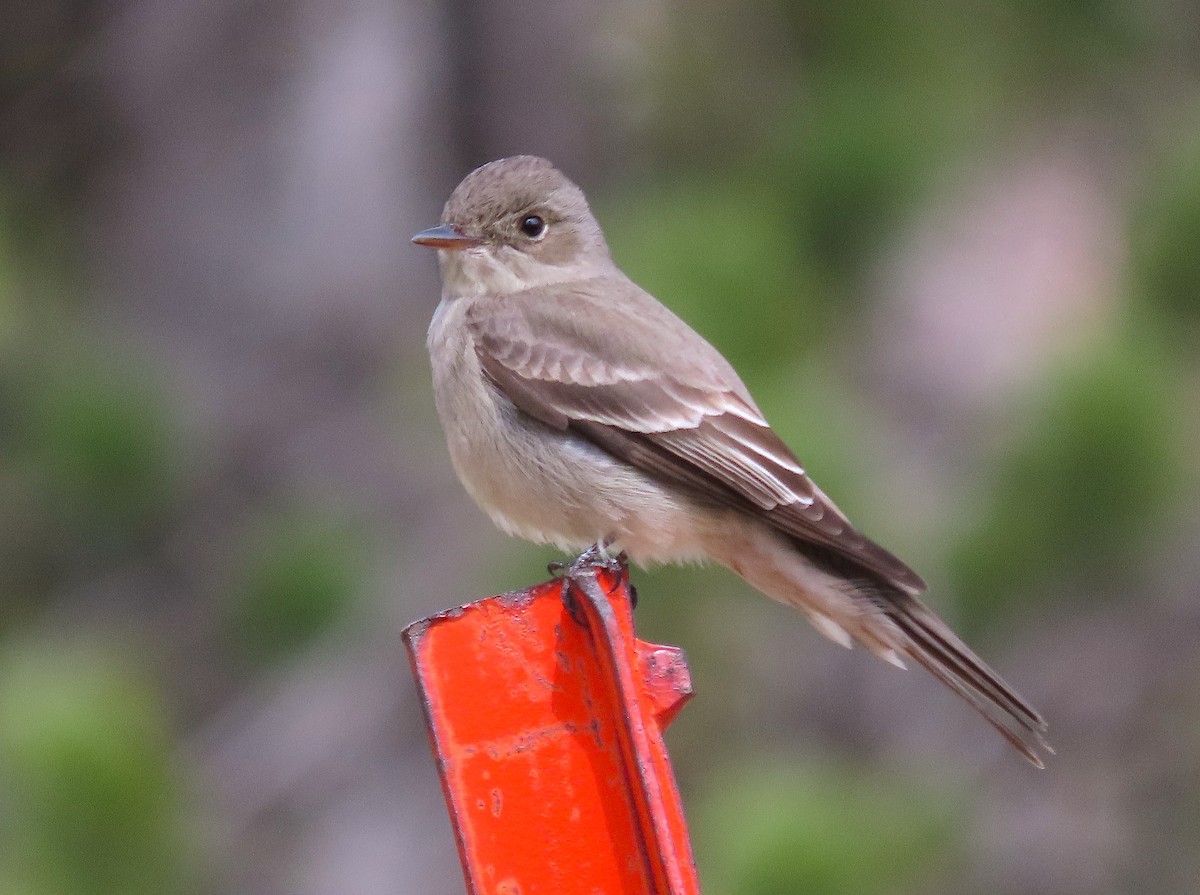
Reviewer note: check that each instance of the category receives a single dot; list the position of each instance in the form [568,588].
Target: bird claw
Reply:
[595,557]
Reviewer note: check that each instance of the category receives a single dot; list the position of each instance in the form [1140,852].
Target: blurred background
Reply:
[953,248]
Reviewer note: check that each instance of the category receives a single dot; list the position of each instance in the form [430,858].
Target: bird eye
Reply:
[533,226]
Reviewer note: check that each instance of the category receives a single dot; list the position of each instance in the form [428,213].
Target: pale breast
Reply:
[526,477]
[539,483]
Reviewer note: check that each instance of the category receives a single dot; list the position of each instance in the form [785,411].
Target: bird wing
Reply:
[632,378]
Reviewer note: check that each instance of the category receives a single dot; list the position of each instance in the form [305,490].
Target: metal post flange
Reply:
[546,723]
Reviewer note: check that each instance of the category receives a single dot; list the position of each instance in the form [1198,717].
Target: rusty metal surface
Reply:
[547,731]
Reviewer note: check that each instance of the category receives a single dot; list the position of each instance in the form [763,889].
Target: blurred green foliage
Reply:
[855,155]
[1086,487]
[1166,263]
[300,574]
[99,447]
[91,460]
[91,800]
[819,830]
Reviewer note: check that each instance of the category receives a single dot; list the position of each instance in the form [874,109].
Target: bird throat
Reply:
[491,269]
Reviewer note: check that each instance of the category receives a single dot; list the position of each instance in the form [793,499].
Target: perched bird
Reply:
[579,410]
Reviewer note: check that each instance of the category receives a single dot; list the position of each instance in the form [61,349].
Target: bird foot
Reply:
[595,557]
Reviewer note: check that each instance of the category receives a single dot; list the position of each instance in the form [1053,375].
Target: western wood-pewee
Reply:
[579,410]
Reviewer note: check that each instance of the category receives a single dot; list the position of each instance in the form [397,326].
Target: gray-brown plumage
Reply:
[580,410]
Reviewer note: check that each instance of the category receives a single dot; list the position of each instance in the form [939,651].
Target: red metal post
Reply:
[547,724]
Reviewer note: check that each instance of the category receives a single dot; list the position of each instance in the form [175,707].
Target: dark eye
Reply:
[533,226]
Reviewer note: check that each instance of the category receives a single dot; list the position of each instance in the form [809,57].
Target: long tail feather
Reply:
[932,644]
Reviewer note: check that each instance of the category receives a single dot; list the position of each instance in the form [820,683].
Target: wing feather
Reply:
[690,421]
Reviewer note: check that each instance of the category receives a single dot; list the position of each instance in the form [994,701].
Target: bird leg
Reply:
[595,557]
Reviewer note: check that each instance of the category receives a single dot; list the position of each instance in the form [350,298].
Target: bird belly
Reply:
[542,484]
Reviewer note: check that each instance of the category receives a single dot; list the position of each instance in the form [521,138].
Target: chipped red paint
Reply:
[547,730]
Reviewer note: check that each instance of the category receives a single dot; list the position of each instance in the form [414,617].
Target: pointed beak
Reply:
[445,236]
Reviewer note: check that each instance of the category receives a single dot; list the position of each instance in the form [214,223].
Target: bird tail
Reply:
[930,642]
[845,603]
